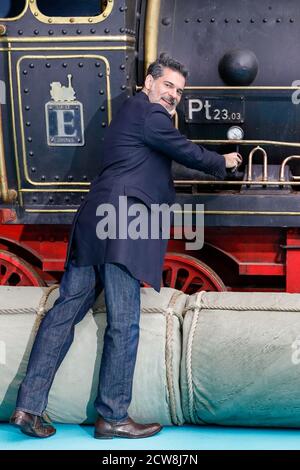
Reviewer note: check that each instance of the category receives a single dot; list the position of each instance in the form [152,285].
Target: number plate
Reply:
[214,110]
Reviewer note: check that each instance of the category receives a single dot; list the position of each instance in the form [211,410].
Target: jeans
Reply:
[79,288]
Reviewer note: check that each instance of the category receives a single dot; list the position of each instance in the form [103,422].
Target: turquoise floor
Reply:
[185,437]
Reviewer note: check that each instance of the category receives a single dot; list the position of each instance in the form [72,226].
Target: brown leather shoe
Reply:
[128,428]
[32,425]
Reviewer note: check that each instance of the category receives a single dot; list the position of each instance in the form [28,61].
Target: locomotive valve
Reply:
[265,163]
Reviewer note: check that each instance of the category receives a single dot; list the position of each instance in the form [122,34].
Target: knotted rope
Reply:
[42,309]
[170,313]
[196,307]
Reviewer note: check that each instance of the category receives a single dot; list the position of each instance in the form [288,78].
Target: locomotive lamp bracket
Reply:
[265,163]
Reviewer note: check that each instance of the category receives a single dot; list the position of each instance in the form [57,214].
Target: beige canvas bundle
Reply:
[211,358]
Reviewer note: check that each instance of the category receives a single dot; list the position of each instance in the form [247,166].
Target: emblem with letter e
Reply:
[64,116]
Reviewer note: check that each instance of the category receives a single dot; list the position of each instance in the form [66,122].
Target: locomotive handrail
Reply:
[5,194]
[235,182]
[283,165]
[265,163]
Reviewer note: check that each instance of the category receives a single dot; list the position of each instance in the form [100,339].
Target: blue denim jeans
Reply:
[79,288]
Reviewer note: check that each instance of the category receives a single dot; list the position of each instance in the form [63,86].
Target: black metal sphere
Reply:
[238,67]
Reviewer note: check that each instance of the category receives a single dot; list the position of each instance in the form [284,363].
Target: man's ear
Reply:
[148,82]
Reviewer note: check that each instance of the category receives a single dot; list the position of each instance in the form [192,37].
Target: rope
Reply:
[42,310]
[8,311]
[252,308]
[201,305]
[169,356]
[196,307]
[164,311]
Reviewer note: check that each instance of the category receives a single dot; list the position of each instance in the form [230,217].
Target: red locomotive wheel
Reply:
[189,275]
[14,271]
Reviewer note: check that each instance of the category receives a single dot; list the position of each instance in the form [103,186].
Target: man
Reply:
[136,161]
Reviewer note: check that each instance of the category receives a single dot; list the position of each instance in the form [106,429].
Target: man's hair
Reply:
[156,69]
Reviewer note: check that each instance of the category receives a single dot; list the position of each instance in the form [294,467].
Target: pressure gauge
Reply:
[235,133]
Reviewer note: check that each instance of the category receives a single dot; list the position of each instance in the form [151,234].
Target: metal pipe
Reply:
[265,163]
[283,164]
[6,195]
[151,31]
[235,182]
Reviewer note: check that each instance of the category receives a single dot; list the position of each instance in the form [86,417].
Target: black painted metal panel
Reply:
[200,33]
[102,71]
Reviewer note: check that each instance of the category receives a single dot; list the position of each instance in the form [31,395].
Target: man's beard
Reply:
[170,103]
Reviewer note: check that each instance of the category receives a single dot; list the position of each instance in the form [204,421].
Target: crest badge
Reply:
[64,116]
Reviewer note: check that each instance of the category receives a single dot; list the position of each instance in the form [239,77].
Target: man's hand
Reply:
[232,160]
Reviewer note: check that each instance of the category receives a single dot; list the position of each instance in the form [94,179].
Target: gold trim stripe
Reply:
[96,48]
[15,18]
[239,212]
[241,88]
[109,112]
[190,182]
[184,183]
[240,182]
[57,190]
[247,142]
[51,210]
[194,212]
[71,20]
[3,172]
[93,38]
[14,123]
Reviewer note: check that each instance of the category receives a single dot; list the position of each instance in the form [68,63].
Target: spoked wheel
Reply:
[189,275]
[14,271]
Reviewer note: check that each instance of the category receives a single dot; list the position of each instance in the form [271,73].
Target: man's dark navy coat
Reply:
[136,159]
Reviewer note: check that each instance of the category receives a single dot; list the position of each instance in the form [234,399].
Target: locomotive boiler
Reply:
[67,67]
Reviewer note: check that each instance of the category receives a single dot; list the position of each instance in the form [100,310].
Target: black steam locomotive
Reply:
[66,68]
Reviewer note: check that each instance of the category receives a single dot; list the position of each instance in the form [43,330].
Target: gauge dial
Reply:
[235,133]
